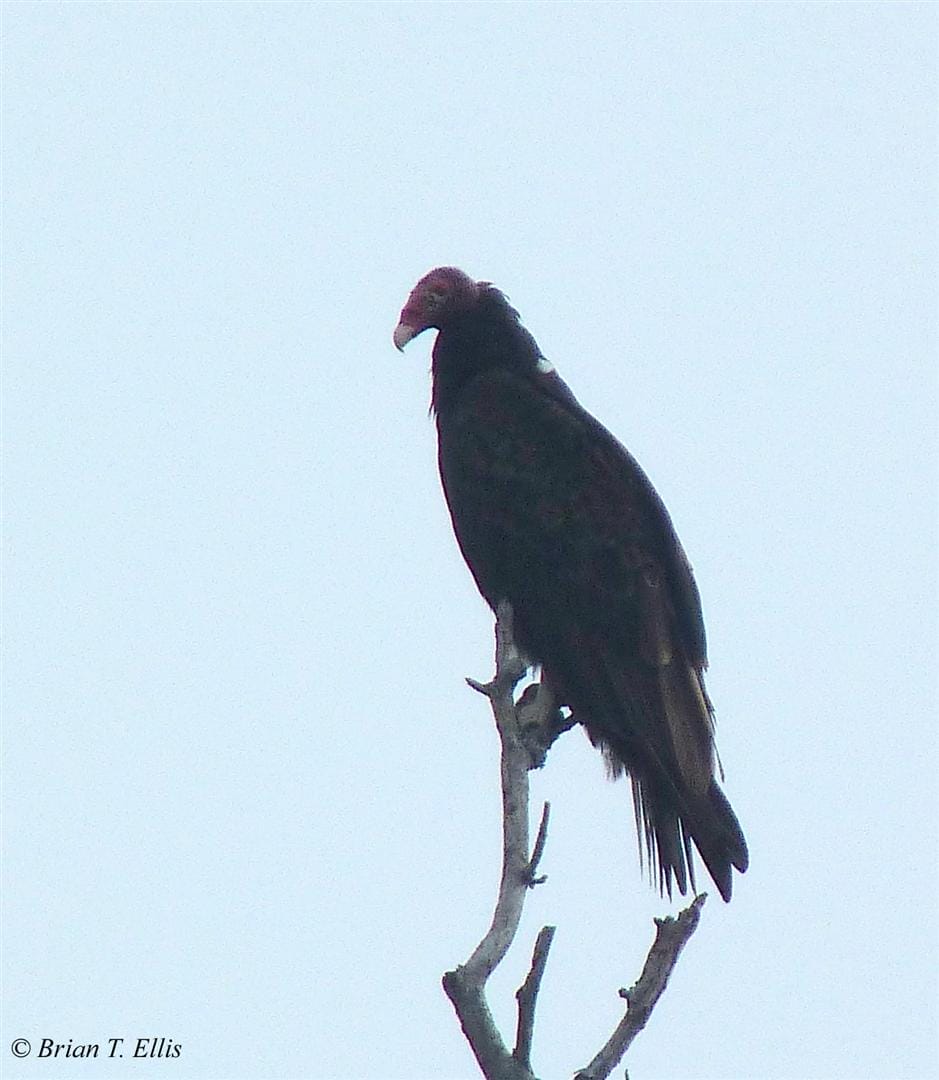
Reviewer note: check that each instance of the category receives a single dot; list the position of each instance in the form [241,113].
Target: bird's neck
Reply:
[488,337]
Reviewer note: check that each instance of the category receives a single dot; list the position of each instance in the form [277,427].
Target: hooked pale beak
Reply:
[403,334]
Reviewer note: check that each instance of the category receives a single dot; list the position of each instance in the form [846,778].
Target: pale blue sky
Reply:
[249,803]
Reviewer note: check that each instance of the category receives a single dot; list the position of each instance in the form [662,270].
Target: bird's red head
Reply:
[438,296]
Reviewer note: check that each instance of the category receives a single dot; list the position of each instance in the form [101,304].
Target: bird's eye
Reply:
[433,298]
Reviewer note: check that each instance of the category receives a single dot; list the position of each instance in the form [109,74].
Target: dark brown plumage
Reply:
[555,516]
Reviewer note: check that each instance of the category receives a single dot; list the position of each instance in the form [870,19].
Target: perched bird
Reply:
[554,516]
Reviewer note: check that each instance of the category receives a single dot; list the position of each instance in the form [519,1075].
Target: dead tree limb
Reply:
[527,996]
[671,935]
[527,729]
[466,984]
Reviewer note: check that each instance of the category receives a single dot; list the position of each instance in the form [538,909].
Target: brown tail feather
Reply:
[718,837]
[669,821]
[664,741]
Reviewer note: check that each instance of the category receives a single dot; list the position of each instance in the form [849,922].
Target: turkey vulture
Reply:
[554,516]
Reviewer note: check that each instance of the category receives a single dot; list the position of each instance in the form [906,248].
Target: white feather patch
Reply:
[545,366]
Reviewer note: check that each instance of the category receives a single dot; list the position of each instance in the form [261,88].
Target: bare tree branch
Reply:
[466,984]
[671,935]
[538,851]
[515,879]
[527,729]
[527,995]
